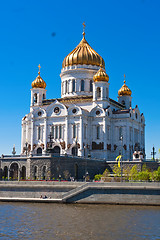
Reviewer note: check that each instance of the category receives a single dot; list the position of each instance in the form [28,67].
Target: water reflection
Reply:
[82,222]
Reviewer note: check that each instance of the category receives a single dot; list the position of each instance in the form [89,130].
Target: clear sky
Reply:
[126,33]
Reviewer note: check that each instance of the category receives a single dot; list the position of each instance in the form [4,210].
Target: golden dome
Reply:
[39,82]
[83,54]
[124,90]
[101,75]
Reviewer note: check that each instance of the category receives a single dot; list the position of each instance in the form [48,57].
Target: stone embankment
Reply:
[81,192]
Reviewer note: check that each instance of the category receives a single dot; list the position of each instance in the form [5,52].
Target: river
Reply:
[78,221]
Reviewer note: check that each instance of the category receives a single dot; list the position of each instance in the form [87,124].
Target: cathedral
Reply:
[84,121]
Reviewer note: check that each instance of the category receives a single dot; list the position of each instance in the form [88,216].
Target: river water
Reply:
[78,222]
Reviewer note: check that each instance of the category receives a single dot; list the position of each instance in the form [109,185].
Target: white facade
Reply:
[84,120]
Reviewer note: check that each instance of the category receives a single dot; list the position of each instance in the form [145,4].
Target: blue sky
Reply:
[126,33]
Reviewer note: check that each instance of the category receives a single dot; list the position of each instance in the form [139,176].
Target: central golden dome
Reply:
[83,54]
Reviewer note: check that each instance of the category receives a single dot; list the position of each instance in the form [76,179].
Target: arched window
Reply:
[35,98]
[91,86]
[123,102]
[44,97]
[73,85]
[39,151]
[98,92]
[82,85]
[56,132]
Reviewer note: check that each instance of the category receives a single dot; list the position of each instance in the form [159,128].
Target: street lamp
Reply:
[121,138]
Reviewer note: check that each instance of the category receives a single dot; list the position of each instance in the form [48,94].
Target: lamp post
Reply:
[121,157]
[153,153]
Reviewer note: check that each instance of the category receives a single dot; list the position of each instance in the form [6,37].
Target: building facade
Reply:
[85,121]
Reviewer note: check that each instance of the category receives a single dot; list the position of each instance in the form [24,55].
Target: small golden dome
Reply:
[101,75]
[39,82]
[124,90]
[83,54]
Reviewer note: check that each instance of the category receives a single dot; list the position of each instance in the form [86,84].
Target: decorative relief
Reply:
[125,147]
[63,144]
[97,146]
[115,146]
[69,145]
[109,147]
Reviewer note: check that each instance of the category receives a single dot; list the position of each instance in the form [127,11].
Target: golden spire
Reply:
[39,82]
[39,66]
[83,54]
[84,25]
[124,90]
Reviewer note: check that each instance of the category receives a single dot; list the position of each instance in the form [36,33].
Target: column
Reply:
[32,135]
[22,137]
[105,137]
[66,132]
[81,136]
[45,134]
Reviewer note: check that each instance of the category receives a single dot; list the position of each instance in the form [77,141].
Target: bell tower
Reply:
[38,91]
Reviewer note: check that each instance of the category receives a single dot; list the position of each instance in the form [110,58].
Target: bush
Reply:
[117,171]
[133,175]
[97,177]
[144,175]
[106,173]
[156,175]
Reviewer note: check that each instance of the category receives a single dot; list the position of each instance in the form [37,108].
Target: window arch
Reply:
[98,92]
[73,85]
[123,102]
[35,98]
[82,85]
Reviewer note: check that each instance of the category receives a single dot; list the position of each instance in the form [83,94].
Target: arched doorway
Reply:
[23,172]
[14,171]
[56,150]
[39,151]
[75,151]
[5,173]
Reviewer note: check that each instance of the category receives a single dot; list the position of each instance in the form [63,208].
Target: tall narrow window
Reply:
[73,85]
[98,92]
[98,132]
[82,85]
[120,133]
[74,131]
[52,131]
[39,133]
[35,98]
[91,86]
[60,131]
[66,87]
[106,92]
[85,131]
[56,132]
[108,132]
[44,96]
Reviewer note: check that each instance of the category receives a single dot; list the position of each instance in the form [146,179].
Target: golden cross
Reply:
[124,78]
[39,67]
[84,27]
